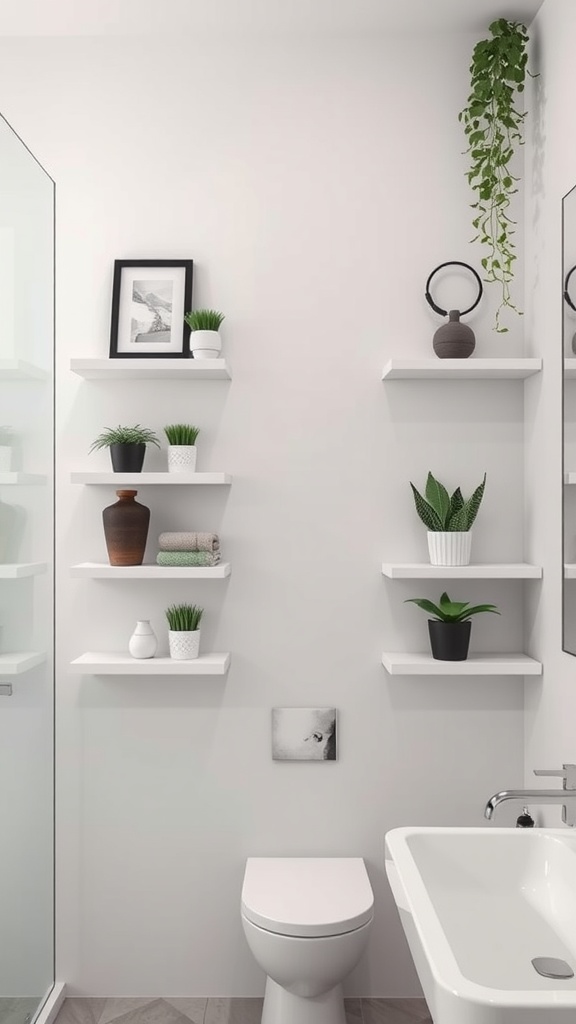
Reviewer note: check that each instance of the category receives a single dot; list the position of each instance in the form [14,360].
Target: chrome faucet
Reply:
[565,796]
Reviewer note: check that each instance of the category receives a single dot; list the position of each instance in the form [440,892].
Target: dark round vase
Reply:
[127,458]
[449,640]
[454,340]
[126,529]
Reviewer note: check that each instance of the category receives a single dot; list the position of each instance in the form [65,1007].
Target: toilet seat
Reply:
[307,897]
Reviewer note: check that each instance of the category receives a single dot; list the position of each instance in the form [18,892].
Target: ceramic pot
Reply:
[454,340]
[184,644]
[449,641]
[127,458]
[143,642]
[205,344]
[451,548]
[182,458]
[126,529]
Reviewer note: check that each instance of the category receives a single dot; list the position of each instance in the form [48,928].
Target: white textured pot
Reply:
[143,643]
[5,458]
[182,458]
[184,644]
[205,344]
[450,548]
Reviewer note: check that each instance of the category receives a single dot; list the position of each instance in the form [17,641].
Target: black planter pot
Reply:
[127,458]
[449,640]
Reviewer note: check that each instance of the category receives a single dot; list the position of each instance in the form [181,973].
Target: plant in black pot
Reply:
[127,446]
[450,628]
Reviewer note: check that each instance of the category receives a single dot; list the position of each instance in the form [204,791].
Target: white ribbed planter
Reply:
[182,458]
[450,548]
[184,644]
[205,344]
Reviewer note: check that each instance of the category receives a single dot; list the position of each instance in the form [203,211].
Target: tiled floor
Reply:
[226,1011]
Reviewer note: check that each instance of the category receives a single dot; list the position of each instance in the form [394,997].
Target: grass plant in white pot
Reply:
[184,631]
[181,447]
[205,341]
[449,519]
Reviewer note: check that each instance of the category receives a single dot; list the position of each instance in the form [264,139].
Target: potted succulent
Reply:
[184,632]
[449,520]
[181,447]
[127,446]
[205,341]
[449,630]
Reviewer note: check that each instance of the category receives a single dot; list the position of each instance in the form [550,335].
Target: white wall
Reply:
[550,703]
[315,182]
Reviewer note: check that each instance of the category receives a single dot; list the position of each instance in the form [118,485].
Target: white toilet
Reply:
[307,921]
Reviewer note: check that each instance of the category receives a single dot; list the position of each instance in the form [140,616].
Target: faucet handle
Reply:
[567,773]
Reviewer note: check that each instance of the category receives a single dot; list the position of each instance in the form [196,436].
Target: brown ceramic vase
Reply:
[126,529]
[454,340]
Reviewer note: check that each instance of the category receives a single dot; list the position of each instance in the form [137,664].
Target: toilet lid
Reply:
[307,896]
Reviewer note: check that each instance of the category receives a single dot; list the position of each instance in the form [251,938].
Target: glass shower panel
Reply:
[26,581]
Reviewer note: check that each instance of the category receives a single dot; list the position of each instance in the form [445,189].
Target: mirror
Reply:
[26,581]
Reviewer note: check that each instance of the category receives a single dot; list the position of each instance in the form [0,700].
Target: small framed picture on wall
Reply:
[149,300]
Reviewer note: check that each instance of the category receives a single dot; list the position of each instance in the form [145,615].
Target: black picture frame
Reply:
[163,333]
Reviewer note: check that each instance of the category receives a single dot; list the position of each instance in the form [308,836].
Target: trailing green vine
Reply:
[493,127]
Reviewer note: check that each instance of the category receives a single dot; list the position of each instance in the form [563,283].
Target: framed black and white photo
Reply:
[304,734]
[149,300]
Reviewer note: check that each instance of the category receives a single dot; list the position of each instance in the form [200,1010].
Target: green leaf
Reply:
[437,496]
[426,605]
[456,502]
[477,609]
[426,512]
[473,503]
[458,523]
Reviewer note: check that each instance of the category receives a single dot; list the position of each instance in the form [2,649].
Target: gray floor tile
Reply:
[155,1011]
[395,1011]
[233,1011]
[353,1008]
[80,1011]
[194,1009]
[119,1007]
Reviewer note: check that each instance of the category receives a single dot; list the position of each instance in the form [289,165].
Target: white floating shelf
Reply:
[570,478]
[120,479]
[460,369]
[95,663]
[19,369]
[496,571]
[22,479]
[570,572]
[16,570]
[103,571]
[151,369]
[403,664]
[16,663]
[569,368]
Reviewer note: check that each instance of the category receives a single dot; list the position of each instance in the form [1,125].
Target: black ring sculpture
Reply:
[457,263]
[566,295]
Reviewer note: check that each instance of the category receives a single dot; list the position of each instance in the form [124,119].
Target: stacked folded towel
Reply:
[188,548]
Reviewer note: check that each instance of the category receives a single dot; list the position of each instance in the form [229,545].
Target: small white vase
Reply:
[182,458]
[143,642]
[184,644]
[205,344]
[5,458]
[450,548]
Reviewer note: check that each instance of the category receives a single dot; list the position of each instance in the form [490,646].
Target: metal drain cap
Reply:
[552,967]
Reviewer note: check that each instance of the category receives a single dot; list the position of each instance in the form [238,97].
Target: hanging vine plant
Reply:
[494,127]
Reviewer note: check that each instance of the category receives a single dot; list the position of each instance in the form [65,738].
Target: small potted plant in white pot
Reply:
[205,341]
[450,628]
[449,520]
[127,446]
[181,447]
[184,631]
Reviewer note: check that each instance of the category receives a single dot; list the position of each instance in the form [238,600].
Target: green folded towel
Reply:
[182,558]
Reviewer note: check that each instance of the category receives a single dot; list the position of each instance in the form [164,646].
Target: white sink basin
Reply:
[477,905]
